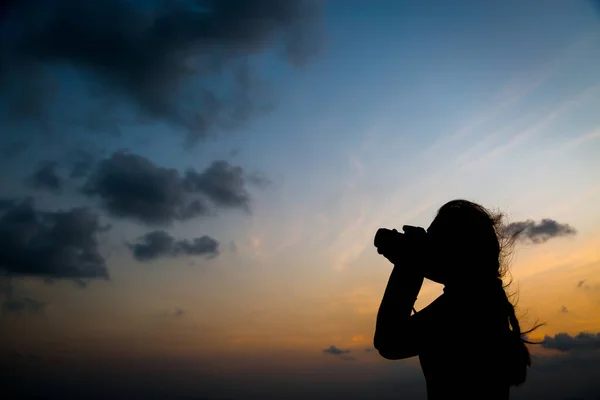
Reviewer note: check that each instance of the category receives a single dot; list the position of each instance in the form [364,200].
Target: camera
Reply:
[387,239]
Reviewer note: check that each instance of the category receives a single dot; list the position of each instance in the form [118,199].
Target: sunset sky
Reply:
[190,192]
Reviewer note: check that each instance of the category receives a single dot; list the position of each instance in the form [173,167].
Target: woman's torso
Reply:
[462,351]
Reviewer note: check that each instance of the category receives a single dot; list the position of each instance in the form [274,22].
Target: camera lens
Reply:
[384,236]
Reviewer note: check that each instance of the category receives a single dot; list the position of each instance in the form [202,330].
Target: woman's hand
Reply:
[408,248]
[415,238]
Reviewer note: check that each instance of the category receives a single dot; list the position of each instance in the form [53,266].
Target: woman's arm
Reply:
[397,332]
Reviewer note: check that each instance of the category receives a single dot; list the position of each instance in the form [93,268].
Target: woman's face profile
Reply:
[434,266]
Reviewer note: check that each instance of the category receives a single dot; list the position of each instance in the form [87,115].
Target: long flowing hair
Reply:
[490,242]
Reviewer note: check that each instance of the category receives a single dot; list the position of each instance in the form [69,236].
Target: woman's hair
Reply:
[489,241]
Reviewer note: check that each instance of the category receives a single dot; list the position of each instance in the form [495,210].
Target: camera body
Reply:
[389,241]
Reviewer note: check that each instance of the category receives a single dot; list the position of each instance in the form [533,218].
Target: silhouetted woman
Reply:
[468,340]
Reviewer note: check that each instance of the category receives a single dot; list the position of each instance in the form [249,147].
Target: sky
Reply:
[191,190]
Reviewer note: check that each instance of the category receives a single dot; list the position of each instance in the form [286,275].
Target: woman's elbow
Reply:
[389,354]
[383,348]
[392,350]
[396,353]
[378,342]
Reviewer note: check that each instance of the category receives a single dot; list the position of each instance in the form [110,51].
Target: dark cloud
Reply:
[23,306]
[335,351]
[81,169]
[259,180]
[152,245]
[540,232]
[201,246]
[565,342]
[162,57]
[46,177]
[131,186]
[221,182]
[50,244]
[82,163]
[158,244]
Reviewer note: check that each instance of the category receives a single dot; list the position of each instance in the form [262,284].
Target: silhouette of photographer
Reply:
[468,340]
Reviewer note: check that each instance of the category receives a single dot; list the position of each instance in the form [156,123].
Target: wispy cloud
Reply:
[510,95]
[577,141]
[357,234]
[520,135]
